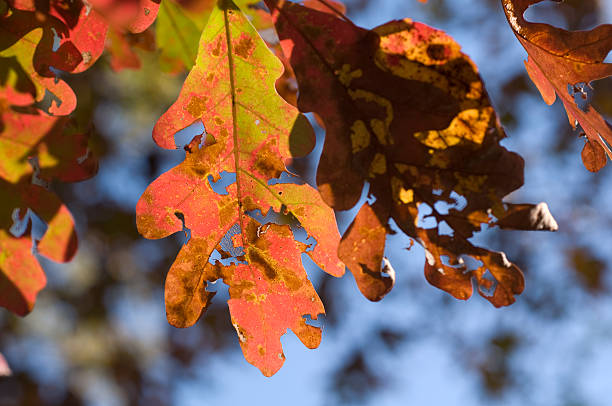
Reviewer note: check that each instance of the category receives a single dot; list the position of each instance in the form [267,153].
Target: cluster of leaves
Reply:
[405,114]
[41,138]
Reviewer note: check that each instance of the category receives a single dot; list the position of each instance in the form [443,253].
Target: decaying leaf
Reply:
[407,112]
[21,277]
[252,133]
[563,63]
[593,156]
[35,149]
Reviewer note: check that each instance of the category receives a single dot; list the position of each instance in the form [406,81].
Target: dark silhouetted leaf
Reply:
[406,111]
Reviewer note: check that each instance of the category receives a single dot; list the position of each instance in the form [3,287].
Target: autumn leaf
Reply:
[177,35]
[179,25]
[250,132]
[72,34]
[121,47]
[58,149]
[133,15]
[35,148]
[24,85]
[38,40]
[407,112]
[21,276]
[563,63]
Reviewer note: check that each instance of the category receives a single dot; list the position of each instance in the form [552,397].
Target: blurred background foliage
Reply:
[98,334]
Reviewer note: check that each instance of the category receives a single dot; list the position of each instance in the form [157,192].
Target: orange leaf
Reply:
[560,60]
[251,132]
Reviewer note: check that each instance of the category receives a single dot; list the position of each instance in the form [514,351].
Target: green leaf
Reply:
[177,36]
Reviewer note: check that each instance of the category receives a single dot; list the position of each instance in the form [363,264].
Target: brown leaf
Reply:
[405,110]
[362,249]
[593,156]
[560,59]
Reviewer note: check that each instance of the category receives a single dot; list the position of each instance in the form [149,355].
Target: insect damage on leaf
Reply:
[562,63]
[21,276]
[38,142]
[35,149]
[230,89]
[406,111]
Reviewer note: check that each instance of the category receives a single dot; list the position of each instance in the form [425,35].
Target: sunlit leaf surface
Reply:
[250,132]
[564,63]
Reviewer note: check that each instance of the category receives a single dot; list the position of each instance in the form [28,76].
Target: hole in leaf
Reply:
[49,98]
[216,256]
[582,94]
[36,179]
[227,242]
[460,201]
[28,222]
[56,40]
[471,263]
[425,219]
[225,179]
[446,260]
[442,207]
[184,137]
[39,227]
[318,322]
[186,230]
[299,233]
[445,229]
[286,177]
[20,222]
[488,284]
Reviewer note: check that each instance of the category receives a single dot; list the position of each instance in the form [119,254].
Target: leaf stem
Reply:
[230,59]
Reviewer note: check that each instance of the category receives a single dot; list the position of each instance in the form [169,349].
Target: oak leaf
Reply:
[23,85]
[563,63]
[35,148]
[179,25]
[69,36]
[407,112]
[21,276]
[250,132]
